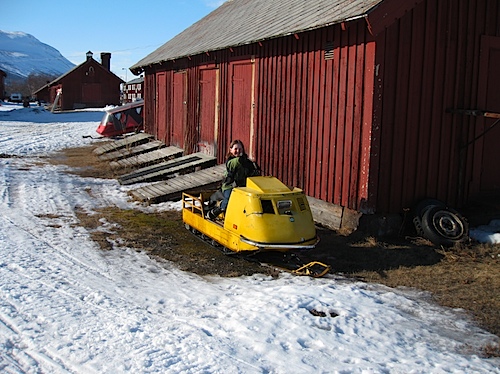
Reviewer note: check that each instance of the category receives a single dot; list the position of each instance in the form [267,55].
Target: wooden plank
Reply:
[162,170]
[132,151]
[346,167]
[327,214]
[122,143]
[178,168]
[341,118]
[414,111]
[335,112]
[368,135]
[153,190]
[326,122]
[175,194]
[142,195]
[172,189]
[173,183]
[149,158]
[212,173]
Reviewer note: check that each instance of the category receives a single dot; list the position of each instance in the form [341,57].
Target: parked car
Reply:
[16,98]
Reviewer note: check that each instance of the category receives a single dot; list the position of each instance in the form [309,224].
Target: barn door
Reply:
[91,93]
[179,111]
[208,111]
[489,100]
[241,104]
[161,108]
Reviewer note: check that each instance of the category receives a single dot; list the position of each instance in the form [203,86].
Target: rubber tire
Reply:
[419,210]
[444,226]
[422,206]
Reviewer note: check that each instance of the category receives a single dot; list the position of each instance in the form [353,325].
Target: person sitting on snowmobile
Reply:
[238,168]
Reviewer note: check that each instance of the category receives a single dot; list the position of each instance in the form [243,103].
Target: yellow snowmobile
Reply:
[265,215]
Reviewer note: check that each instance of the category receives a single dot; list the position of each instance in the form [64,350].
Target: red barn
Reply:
[3,75]
[90,84]
[360,103]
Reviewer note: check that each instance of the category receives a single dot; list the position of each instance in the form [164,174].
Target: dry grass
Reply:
[163,235]
[466,276]
[83,162]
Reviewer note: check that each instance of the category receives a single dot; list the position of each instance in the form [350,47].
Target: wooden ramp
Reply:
[128,141]
[132,151]
[173,188]
[148,158]
[167,168]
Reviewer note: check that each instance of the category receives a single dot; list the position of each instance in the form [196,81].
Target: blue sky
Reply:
[130,30]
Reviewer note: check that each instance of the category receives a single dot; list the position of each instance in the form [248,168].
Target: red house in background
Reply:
[90,84]
[359,103]
[132,90]
[3,74]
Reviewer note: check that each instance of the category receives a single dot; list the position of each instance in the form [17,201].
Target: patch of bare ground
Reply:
[466,276]
[82,161]
[163,235]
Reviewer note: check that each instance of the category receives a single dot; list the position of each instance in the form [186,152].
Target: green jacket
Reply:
[237,171]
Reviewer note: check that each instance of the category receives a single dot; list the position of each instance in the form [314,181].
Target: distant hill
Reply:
[22,54]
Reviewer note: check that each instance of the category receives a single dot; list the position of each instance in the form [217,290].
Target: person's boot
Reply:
[214,213]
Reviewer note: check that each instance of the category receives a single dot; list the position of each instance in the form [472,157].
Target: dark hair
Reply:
[233,143]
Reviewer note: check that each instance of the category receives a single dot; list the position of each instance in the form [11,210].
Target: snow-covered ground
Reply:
[68,307]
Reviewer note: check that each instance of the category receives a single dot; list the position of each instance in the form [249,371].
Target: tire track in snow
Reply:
[25,192]
[18,347]
[67,255]
[191,335]
[133,317]
[24,356]
[5,193]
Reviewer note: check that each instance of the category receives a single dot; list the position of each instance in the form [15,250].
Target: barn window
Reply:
[329,51]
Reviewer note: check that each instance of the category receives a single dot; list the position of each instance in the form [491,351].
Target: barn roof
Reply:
[240,22]
[75,68]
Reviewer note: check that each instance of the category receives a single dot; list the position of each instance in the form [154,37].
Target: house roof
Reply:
[240,22]
[136,80]
[59,78]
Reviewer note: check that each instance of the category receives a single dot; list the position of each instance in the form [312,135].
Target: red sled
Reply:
[122,119]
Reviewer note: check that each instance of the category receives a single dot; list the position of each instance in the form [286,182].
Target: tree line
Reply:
[27,86]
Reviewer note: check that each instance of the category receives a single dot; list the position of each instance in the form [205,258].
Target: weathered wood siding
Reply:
[313,120]
[309,118]
[427,63]
[353,113]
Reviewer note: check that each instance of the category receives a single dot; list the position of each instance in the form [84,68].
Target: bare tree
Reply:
[37,81]
[29,85]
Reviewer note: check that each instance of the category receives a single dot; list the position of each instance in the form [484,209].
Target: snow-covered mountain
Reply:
[22,54]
